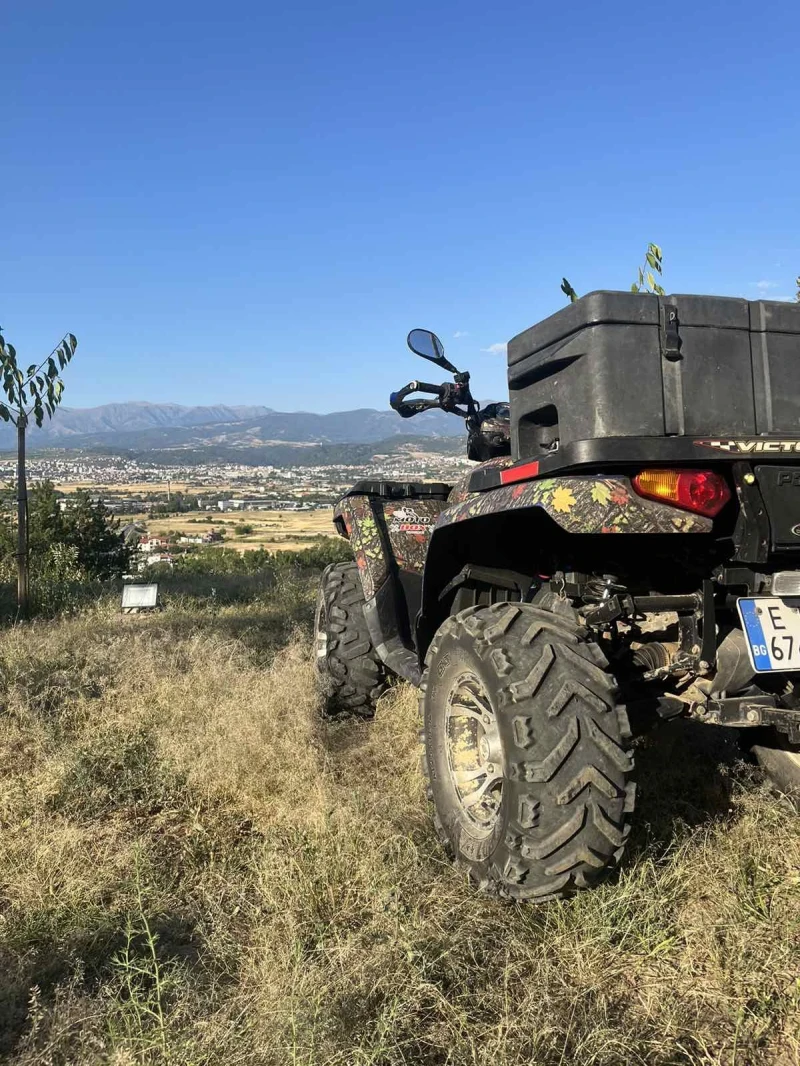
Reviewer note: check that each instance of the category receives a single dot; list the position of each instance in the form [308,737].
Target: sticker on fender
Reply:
[772,629]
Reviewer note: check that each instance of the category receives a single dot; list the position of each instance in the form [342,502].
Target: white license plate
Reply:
[772,628]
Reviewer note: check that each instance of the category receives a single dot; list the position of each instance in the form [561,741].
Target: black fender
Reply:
[519,531]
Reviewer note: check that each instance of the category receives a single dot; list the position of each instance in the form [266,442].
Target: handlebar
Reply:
[414,407]
[447,397]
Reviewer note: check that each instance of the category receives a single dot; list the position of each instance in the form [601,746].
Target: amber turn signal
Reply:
[702,491]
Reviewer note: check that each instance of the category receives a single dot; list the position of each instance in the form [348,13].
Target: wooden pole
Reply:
[22,519]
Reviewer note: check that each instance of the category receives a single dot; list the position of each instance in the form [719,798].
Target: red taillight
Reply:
[519,473]
[701,491]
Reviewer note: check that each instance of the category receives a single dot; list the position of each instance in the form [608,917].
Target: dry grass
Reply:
[196,869]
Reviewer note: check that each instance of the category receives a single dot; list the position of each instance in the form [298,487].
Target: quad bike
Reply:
[627,551]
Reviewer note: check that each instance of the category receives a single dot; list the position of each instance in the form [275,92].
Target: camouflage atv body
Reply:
[554,603]
[394,527]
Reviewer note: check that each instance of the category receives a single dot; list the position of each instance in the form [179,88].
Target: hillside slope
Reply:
[196,870]
[142,425]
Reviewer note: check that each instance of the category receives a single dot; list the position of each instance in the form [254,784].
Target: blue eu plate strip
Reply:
[755,635]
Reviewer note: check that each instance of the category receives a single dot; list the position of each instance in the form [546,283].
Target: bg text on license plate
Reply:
[772,628]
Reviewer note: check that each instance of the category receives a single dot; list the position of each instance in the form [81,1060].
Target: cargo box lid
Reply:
[772,316]
[644,309]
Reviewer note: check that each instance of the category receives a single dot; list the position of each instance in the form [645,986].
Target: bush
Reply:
[71,553]
[244,530]
[229,561]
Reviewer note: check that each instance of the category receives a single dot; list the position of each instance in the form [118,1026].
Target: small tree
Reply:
[94,533]
[35,393]
[646,278]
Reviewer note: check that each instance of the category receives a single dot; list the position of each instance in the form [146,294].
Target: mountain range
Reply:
[143,426]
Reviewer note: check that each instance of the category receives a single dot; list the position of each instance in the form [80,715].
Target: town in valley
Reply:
[170,508]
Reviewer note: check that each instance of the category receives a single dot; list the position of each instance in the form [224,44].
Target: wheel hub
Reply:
[474,752]
[320,631]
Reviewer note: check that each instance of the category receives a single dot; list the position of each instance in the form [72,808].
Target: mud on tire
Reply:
[559,817]
[353,675]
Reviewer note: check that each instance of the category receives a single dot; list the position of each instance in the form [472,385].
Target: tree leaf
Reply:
[12,352]
[73,340]
[656,250]
[651,259]
[651,281]
[52,369]
[641,276]
[31,370]
[568,290]
[634,287]
[4,413]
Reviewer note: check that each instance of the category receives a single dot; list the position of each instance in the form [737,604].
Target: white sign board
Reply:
[139,597]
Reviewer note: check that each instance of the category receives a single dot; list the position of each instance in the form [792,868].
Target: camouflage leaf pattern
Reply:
[366,541]
[579,505]
[373,523]
[460,490]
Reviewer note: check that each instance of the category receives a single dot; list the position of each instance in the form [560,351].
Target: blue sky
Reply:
[253,202]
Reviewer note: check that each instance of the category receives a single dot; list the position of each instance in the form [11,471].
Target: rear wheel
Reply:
[525,749]
[353,675]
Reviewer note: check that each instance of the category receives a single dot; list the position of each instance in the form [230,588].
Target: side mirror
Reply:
[423,342]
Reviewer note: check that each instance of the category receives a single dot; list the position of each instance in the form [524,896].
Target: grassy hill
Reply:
[194,868]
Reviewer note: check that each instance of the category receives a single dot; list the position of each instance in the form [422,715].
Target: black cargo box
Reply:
[621,365]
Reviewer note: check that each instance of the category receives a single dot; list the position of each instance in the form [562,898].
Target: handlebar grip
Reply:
[398,398]
[415,407]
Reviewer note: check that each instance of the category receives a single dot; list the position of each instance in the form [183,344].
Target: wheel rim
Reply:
[474,753]
[320,630]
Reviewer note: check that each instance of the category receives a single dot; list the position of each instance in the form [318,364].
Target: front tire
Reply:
[353,675]
[525,750]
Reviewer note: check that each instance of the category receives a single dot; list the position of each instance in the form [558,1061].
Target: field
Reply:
[196,869]
[275,530]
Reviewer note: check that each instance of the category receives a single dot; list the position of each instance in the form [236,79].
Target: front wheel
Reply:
[353,675]
[524,750]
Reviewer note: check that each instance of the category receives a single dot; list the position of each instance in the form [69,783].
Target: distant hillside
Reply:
[145,425]
[114,417]
[289,453]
